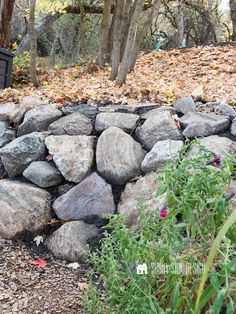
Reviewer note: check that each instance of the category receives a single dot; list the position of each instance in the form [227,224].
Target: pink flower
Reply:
[163,213]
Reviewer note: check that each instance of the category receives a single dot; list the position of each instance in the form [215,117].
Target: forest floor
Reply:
[208,73]
[28,289]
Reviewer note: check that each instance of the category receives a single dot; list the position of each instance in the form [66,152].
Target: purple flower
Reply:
[216,160]
[163,213]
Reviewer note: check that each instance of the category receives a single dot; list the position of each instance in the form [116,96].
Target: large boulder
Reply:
[70,241]
[73,155]
[137,193]
[38,119]
[11,112]
[124,121]
[161,152]
[7,134]
[43,174]
[88,110]
[19,153]
[118,156]
[73,124]
[23,208]
[184,105]
[203,124]
[157,112]
[226,110]
[90,198]
[221,146]
[158,128]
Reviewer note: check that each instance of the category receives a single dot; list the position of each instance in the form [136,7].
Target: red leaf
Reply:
[38,262]
[49,157]
[60,100]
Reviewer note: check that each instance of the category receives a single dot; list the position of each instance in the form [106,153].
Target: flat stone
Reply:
[233,127]
[43,174]
[73,124]
[38,119]
[7,134]
[221,146]
[73,155]
[19,153]
[161,152]
[90,198]
[158,128]
[118,156]
[226,110]
[136,108]
[184,105]
[157,112]
[203,124]
[11,112]
[125,121]
[70,241]
[23,208]
[136,193]
[88,110]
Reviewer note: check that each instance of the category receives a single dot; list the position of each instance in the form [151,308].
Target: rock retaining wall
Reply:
[82,162]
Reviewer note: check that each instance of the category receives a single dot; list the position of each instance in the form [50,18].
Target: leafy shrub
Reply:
[21,66]
[173,242]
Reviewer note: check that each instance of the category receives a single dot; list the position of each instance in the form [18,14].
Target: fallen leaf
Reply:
[38,262]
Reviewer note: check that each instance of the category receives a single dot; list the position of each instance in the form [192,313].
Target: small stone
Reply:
[125,121]
[73,155]
[158,128]
[88,110]
[23,208]
[161,152]
[233,127]
[43,174]
[90,198]
[73,124]
[203,124]
[157,112]
[7,134]
[184,105]
[38,119]
[70,241]
[19,153]
[118,156]
[226,110]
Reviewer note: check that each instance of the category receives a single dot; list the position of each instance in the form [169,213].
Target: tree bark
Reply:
[81,29]
[232,4]
[33,44]
[6,11]
[180,22]
[104,39]
[125,64]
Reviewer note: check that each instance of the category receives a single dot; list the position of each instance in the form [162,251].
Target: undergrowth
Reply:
[172,245]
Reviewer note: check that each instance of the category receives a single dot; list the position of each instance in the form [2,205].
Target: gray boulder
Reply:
[70,241]
[161,152]
[90,198]
[233,127]
[19,153]
[124,121]
[73,155]
[157,112]
[88,110]
[7,134]
[11,112]
[203,124]
[23,208]
[118,156]
[141,192]
[43,174]
[38,119]
[226,110]
[184,105]
[221,146]
[73,124]
[3,172]
[158,128]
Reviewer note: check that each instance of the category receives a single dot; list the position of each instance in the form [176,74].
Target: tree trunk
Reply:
[6,10]
[180,22]
[104,39]
[117,37]
[125,64]
[232,4]
[81,29]
[128,12]
[33,44]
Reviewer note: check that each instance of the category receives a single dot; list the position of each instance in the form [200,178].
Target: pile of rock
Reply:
[69,163]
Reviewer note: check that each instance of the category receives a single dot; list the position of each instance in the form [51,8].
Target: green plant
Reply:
[21,65]
[173,242]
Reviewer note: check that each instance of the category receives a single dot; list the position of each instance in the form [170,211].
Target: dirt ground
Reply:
[28,289]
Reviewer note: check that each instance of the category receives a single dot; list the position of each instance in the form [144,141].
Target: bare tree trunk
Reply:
[104,39]
[125,64]
[81,29]
[6,11]
[33,44]
[152,15]
[180,22]
[128,11]
[117,37]
[232,4]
